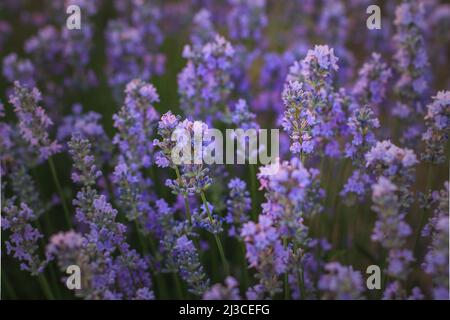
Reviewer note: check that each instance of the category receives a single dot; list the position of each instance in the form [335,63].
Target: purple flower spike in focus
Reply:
[34,123]
[341,283]
[437,121]
[173,133]
[117,271]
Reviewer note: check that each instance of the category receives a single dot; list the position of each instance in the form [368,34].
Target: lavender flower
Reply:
[437,121]
[412,63]
[361,128]
[194,176]
[219,292]
[205,83]
[266,254]
[316,69]
[292,194]
[132,41]
[16,69]
[23,241]
[238,206]
[189,265]
[341,283]
[300,118]
[392,231]
[247,19]
[397,164]
[33,121]
[66,247]
[135,122]
[118,272]
[371,85]
[436,260]
[203,29]
[202,220]
[86,125]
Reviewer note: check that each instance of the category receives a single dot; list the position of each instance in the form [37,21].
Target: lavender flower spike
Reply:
[33,121]
[437,121]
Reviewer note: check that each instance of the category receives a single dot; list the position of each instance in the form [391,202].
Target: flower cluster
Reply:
[34,123]
[181,140]
[188,262]
[112,277]
[246,19]
[341,282]
[437,121]
[135,122]
[24,238]
[205,83]
[397,164]
[132,41]
[266,254]
[436,260]
[238,206]
[219,292]
[293,193]
[372,81]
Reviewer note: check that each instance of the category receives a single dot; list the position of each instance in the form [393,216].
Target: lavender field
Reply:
[95,206]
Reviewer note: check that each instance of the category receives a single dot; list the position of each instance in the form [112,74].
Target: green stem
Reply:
[178,286]
[186,202]
[423,218]
[244,266]
[216,237]
[286,280]
[60,191]
[45,287]
[253,190]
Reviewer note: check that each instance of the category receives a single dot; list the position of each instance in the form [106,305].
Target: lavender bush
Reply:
[90,119]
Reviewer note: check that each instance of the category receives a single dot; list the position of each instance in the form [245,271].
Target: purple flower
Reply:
[117,271]
[179,146]
[247,19]
[205,83]
[34,123]
[436,259]
[437,121]
[265,253]
[238,206]
[341,283]
[132,42]
[24,238]
[189,265]
[412,63]
[219,292]
[135,123]
[371,85]
[292,193]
